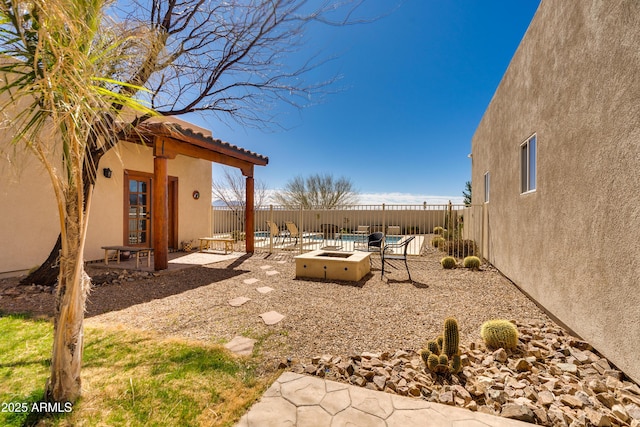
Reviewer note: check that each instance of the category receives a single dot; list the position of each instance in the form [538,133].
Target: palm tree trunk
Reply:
[64,384]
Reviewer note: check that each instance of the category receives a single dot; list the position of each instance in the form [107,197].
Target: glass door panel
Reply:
[139,217]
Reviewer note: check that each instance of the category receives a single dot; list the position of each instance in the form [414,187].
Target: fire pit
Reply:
[322,264]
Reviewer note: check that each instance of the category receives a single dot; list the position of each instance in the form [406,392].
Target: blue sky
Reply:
[414,86]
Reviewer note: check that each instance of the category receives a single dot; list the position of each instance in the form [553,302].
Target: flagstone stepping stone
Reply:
[264,290]
[241,345]
[271,317]
[265,267]
[272,272]
[237,302]
[251,281]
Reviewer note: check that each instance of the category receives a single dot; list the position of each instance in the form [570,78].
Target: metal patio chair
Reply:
[389,254]
[372,243]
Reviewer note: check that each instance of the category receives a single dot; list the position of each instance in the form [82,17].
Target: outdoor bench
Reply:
[138,251]
[205,243]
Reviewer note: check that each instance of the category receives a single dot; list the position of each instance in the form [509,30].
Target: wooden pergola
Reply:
[169,140]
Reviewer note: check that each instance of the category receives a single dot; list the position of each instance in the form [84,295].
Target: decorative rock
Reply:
[446,398]
[546,398]
[500,355]
[597,418]
[606,399]
[518,412]
[379,381]
[568,367]
[572,401]
[620,412]
[522,365]
[597,386]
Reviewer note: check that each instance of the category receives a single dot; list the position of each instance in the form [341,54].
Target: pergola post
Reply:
[160,213]
[249,225]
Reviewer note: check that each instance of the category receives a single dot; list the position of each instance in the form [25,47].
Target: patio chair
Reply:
[362,229]
[373,243]
[275,232]
[292,228]
[389,254]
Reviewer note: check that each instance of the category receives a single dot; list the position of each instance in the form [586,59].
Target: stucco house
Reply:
[556,163]
[151,192]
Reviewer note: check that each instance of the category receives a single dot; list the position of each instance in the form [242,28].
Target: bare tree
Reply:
[76,70]
[231,190]
[222,58]
[317,191]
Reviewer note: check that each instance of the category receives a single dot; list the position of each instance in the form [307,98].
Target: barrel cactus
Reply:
[442,355]
[448,262]
[472,262]
[499,333]
[438,230]
[438,242]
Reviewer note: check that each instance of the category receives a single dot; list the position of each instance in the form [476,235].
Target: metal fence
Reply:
[451,229]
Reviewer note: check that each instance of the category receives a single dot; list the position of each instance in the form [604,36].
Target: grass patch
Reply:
[129,378]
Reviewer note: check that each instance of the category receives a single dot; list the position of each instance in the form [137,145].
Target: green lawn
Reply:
[129,378]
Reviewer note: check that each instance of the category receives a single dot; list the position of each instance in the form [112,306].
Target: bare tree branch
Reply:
[317,191]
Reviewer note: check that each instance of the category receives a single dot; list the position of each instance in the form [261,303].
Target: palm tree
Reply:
[57,79]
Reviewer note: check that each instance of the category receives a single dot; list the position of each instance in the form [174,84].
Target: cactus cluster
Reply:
[472,262]
[448,262]
[438,230]
[437,241]
[499,333]
[442,355]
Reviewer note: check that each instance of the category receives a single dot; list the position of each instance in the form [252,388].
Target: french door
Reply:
[137,229]
[137,209]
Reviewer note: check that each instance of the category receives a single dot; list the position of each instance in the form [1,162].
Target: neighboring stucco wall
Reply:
[573,243]
[30,226]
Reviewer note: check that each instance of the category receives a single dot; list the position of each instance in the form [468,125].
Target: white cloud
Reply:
[406,199]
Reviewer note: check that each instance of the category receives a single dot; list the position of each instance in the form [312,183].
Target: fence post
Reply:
[270,234]
[300,228]
[384,220]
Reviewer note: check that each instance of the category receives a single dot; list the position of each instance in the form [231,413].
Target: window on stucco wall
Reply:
[486,187]
[528,152]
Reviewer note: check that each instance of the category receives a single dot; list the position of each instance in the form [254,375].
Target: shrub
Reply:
[438,230]
[437,242]
[472,262]
[448,262]
[459,248]
[238,235]
[499,333]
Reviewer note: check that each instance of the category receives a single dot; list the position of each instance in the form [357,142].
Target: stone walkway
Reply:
[244,346]
[306,401]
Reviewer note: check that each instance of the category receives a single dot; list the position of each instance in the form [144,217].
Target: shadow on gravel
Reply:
[113,297]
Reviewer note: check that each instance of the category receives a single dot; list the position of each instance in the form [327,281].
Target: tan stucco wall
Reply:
[573,243]
[30,224]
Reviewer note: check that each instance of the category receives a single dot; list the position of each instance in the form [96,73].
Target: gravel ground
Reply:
[373,315]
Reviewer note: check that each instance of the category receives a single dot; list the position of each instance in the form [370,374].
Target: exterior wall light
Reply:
[107,172]
[196,195]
